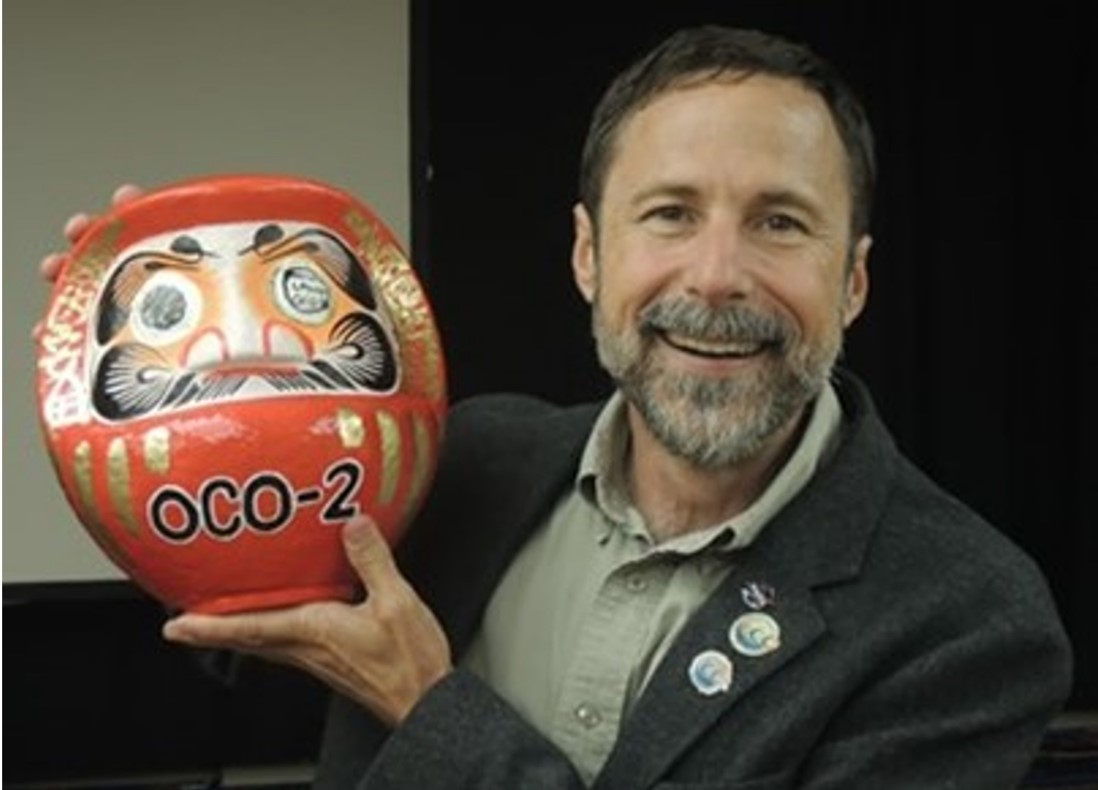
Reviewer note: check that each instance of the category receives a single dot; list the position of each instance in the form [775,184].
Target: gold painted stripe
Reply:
[352,430]
[118,483]
[89,517]
[435,384]
[407,305]
[97,257]
[82,471]
[158,450]
[422,439]
[389,431]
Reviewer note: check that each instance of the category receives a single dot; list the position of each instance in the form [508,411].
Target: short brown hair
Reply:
[710,51]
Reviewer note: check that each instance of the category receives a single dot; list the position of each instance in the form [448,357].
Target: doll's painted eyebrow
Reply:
[291,246]
[158,259]
[272,236]
[188,245]
[264,236]
[184,251]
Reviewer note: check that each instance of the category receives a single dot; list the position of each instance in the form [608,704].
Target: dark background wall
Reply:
[979,330]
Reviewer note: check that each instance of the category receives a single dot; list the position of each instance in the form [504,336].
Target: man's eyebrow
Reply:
[768,197]
[790,198]
[668,189]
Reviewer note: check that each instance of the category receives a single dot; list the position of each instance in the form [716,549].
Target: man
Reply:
[727,575]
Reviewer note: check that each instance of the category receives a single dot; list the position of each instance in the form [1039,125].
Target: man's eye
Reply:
[672,214]
[783,223]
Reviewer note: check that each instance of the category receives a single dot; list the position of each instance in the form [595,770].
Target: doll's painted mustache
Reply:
[134,379]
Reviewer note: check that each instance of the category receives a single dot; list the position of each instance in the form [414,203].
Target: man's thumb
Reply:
[368,552]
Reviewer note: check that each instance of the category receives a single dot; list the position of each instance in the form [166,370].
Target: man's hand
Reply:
[74,229]
[77,225]
[385,652]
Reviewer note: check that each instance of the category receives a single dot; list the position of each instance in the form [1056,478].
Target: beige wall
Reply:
[98,92]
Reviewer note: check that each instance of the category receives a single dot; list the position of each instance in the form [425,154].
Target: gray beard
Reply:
[714,423]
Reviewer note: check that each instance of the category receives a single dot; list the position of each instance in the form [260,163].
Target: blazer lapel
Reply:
[673,712]
[820,538]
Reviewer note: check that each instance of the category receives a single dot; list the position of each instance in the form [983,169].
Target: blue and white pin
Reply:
[755,634]
[711,672]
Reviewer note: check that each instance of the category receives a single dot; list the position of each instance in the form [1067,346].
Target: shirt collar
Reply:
[601,476]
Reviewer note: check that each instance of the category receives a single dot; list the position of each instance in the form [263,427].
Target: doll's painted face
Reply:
[237,311]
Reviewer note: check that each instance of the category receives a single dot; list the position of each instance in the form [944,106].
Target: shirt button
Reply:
[588,715]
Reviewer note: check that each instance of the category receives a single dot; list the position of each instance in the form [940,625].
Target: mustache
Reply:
[730,323]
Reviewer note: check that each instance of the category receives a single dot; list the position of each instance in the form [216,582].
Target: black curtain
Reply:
[978,334]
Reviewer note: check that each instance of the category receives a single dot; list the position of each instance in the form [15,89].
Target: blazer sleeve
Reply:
[461,735]
[967,710]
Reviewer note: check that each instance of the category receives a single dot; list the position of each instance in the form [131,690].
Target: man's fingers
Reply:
[77,225]
[369,554]
[246,632]
[50,267]
[125,193]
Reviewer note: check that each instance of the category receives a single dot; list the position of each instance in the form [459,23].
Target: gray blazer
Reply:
[919,647]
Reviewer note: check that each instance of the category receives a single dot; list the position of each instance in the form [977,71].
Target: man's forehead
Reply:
[771,131]
[758,94]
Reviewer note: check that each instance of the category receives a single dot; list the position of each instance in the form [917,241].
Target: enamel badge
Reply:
[755,634]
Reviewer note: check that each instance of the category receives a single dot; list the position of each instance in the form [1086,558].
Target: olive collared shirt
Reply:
[592,602]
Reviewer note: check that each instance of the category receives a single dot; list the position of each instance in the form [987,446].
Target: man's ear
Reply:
[584,265]
[857,281]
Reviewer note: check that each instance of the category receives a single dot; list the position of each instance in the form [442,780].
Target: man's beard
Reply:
[708,421]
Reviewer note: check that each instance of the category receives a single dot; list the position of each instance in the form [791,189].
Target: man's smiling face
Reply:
[722,273]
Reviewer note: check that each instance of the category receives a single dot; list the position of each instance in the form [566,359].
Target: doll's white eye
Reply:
[302,293]
[166,308]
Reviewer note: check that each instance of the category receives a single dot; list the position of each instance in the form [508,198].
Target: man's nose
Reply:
[722,268]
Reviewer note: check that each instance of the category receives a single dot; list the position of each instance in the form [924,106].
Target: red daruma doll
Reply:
[229,369]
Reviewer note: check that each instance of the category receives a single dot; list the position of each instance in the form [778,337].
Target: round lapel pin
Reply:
[755,634]
[711,672]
